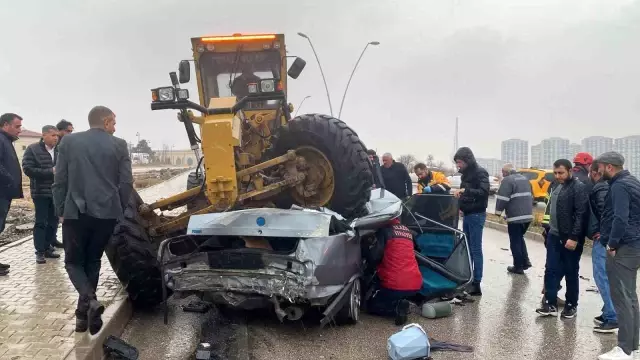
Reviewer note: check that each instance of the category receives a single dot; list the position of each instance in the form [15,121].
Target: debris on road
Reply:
[117,349]
[197,306]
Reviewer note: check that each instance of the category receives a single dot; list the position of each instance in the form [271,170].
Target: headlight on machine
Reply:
[166,94]
[183,94]
[268,85]
[252,88]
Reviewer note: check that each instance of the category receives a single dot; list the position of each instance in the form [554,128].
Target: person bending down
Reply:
[398,275]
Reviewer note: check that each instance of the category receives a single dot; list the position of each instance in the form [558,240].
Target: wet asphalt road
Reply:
[500,325]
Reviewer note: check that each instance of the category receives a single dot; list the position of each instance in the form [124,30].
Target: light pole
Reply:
[374,43]
[321,72]
[138,135]
[299,106]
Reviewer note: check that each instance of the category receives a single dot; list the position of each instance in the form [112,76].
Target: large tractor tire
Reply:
[349,188]
[133,257]
[196,180]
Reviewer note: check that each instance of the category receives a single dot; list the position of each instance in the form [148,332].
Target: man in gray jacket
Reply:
[515,198]
[93,182]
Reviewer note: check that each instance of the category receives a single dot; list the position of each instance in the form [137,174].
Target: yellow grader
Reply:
[250,152]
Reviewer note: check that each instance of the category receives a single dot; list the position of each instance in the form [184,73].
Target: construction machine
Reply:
[251,152]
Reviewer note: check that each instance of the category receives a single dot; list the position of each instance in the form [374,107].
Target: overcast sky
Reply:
[507,68]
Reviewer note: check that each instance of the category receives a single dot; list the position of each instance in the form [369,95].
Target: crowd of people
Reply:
[589,199]
[82,180]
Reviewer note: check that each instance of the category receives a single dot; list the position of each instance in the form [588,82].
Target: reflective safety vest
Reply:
[547,210]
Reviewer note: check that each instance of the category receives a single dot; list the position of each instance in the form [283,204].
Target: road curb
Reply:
[13,244]
[115,317]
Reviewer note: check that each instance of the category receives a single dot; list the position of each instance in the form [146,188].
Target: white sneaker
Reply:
[616,354]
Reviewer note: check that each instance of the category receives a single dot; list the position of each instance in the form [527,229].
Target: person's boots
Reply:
[58,244]
[50,254]
[402,312]
[474,289]
[82,322]
[95,316]
[40,258]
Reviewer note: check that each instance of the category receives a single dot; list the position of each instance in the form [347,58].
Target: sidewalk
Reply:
[37,302]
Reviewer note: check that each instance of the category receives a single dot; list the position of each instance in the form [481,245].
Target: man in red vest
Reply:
[398,274]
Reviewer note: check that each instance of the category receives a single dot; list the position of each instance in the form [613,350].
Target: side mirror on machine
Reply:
[184,69]
[296,68]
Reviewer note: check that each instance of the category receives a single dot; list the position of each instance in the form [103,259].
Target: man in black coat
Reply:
[396,177]
[473,199]
[10,173]
[569,214]
[38,164]
[92,186]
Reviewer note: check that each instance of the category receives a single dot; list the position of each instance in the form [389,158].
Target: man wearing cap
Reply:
[620,233]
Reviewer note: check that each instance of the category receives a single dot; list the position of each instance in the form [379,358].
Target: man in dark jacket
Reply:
[607,322]
[473,199]
[378,182]
[568,225]
[514,197]
[64,128]
[10,173]
[396,177]
[620,233]
[38,164]
[398,274]
[92,186]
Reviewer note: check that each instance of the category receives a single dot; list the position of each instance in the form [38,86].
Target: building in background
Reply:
[186,158]
[493,166]
[597,145]
[573,150]
[629,147]
[516,152]
[536,156]
[26,138]
[553,149]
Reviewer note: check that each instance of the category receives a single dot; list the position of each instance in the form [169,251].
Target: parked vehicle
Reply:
[540,181]
[455,181]
[494,185]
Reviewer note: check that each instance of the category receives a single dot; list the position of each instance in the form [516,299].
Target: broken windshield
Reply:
[227,74]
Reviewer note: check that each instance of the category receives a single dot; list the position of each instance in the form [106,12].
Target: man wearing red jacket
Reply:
[398,274]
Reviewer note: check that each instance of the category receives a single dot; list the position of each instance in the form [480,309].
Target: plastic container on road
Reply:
[436,310]
[410,343]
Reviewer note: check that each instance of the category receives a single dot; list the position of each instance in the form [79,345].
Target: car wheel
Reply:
[350,313]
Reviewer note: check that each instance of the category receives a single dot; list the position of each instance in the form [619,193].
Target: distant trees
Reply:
[408,161]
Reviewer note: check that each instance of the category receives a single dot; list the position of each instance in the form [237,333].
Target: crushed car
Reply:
[290,260]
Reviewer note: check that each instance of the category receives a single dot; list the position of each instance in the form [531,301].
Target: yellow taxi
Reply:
[540,180]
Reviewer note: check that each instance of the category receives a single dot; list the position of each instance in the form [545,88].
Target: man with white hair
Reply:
[396,177]
[515,199]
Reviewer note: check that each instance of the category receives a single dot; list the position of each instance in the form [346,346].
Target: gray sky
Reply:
[510,68]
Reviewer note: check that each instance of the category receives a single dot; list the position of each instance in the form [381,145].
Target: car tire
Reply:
[350,312]
[353,172]
[132,254]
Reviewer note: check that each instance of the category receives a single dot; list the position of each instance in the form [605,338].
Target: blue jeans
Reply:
[599,262]
[473,225]
[46,227]
[561,261]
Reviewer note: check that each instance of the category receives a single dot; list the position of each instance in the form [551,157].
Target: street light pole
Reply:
[299,106]
[374,43]
[321,72]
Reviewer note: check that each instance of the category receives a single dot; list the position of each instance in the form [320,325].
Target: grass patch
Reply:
[536,224]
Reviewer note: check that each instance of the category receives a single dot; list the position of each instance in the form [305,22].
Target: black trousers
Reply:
[518,245]
[5,204]
[562,262]
[623,275]
[46,227]
[84,242]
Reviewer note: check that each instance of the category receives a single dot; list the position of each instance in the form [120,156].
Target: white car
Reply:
[455,181]
[494,185]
